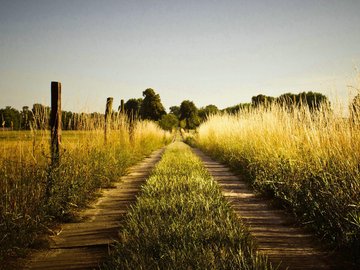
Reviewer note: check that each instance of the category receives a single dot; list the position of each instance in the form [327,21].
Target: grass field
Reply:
[308,160]
[87,164]
[182,221]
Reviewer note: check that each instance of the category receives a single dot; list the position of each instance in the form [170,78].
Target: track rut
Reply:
[275,233]
[84,245]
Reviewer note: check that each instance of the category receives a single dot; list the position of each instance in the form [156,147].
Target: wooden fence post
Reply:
[108,111]
[55,122]
[55,129]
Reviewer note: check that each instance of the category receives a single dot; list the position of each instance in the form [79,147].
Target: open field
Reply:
[27,208]
[309,161]
[182,221]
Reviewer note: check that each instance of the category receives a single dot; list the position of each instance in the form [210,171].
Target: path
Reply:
[84,245]
[274,231]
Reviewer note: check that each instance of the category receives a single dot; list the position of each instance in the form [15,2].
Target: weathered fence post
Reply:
[55,129]
[108,112]
[55,122]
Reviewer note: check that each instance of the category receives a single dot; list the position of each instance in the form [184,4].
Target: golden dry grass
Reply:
[87,164]
[308,160]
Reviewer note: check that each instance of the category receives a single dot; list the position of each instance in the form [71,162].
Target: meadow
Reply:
[307,160]
[28,210]
[182,221]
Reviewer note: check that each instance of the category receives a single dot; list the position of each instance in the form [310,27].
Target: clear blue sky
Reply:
[212,52]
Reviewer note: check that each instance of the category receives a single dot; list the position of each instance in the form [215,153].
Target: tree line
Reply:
[312,100]
[39,116]
[187,115]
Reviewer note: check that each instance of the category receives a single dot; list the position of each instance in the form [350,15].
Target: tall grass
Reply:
[182,221]
[308,160]
[86,165]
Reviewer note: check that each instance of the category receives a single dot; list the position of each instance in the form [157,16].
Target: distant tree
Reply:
[169,121]
[175,110]
[26,118]
[182,123]
[97,120]
[235,109]
[66,118]
[10,118]
[287,99]
[75,123]
[132,107]
[204,112]
[262,100]
[312,100]
[189,113]
[41,116]
[151,107]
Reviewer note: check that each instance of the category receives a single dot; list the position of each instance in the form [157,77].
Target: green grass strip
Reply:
[182,221]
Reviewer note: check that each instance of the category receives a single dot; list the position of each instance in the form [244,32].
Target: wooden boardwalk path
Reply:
[273,230]
[85,245]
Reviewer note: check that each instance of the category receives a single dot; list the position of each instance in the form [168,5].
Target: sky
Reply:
[211,52]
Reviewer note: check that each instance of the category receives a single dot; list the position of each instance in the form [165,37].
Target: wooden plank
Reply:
[273,230]
[74,258]
[85,244]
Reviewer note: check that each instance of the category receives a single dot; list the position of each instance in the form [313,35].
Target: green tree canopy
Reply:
[151,107]
[41,116]
[175,110]
[189,113]
[169,121]
[26,118]
[262,100]
[311,99]
[204,112]
[132,107]
[10,118]
[237,108]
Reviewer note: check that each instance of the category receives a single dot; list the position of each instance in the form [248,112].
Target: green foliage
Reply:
[182,123]
[312,100]
[235,109]
[132,107]
[151,107]
[189,113]
[175,110]
[41,116]
[169,122]
[182,221]
[204,112]
[10,118]
[26,118]
[66,118]
[262,100]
